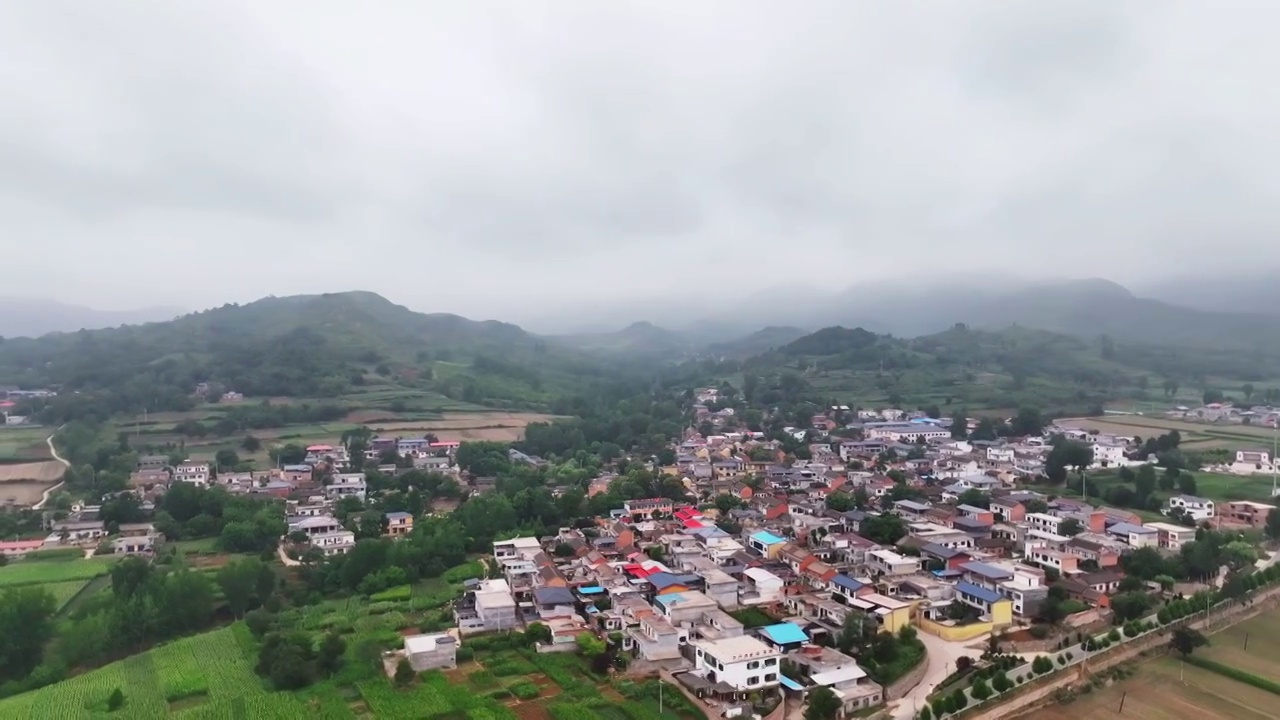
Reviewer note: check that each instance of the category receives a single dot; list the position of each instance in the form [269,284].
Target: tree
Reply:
[984,430]
[822,704]
[245,584]
[1187,483]
[1070,527]
[1028,421]
[980,690]
[250,444]
[1001,682]
[1212,396]
[974,497]
[1248,390]
[26,624]
[1273,524]
[1185,640]
[959,424]
[116,700]
[536,632]
[332,649]
[925,713]
[404,672]
[1144,482]
[883,529]
[226,459]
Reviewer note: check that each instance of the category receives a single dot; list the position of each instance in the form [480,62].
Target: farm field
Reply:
[1214,486]
[23,443]
[1196,435]
[45,471]
[43,572]
[63,591]
[1262,658]
[1157,693]
[205,676]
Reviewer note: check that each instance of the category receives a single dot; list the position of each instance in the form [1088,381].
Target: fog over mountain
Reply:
[539,162]
[31,317]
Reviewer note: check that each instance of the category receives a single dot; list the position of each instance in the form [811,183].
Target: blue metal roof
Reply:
[981,593]
[790,684]
[985,570]
[767,538]
[847,583]
[591,590]
[785,633]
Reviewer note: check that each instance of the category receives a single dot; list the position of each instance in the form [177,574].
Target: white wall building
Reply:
[194,473]
[744,663]
[1196,507]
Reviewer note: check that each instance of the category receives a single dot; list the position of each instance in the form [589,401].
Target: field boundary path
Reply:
[44,497]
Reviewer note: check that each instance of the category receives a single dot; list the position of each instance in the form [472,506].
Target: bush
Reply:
[1001,682]
[1062,660]
[1114,635]
[980,690]
[116,701]
[959,700]
[465,654]
[1039,632]
[925,713]
[525,690]
[399,593]
[1069,656]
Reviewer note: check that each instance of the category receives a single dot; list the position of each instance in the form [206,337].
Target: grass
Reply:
[205,676]
[63,592]
[35,572]
[24,443]
[1262,657]
[203,546]
[1162,690]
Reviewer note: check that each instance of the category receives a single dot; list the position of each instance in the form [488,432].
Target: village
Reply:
[747,587]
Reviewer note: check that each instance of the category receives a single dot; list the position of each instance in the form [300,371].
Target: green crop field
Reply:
[63,591]
[206,676]
[44,572]
[1162,690]
[1261,657]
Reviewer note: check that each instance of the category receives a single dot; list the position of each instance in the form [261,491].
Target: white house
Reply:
[744,663]
[334,543]
[190,472]
[1197,508]
[889,562]
[347,485]
[1108,454]
[1249,462]
[760,587]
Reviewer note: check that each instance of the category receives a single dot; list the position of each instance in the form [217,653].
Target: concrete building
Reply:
[334,543]
[743,663]
[1197,508]
[1170,536]
[429,652]
[1243,512]
[888,562]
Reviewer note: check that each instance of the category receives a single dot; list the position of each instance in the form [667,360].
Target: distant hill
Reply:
[1249,292]
[311,346]
[33,317]
[760,341]
[1083,308]
[639,339]
[962,366]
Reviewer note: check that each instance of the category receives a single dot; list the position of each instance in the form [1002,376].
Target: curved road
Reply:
[44,498]
[941,659]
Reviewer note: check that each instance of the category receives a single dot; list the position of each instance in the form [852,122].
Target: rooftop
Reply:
[767,538]
[736,649]
[981,593]
[784,633]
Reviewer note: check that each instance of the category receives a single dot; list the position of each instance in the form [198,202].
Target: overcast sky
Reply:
[504,159]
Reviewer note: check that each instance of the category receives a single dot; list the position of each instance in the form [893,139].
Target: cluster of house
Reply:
[1227,413]
[84,526]
[665,579]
